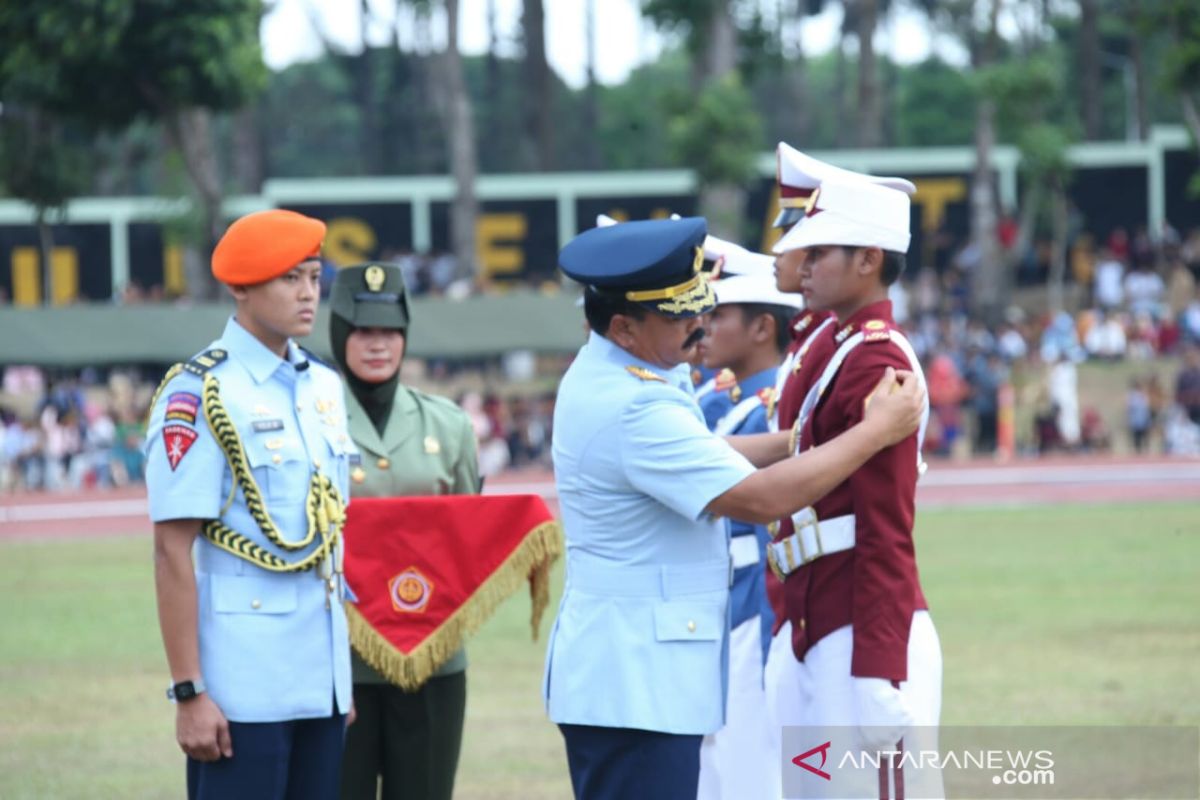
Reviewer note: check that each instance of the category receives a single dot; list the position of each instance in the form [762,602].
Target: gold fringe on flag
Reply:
[531,561]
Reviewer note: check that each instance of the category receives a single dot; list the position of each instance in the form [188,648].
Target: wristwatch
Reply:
[184,690]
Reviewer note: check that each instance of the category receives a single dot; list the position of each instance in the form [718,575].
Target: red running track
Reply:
[945,484]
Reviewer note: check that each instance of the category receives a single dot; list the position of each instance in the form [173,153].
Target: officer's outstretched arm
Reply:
[893,412]
[200,727]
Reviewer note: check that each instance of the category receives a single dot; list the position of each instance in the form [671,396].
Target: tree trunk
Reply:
[538,90]
[1191,114]
[870,111]
[591,94]
[839,82]
[1139,79]
[990,283]
[1089,62]
[46,246]
[191,134]
[248,151]
[460,132]
[721,204]
[1058,256]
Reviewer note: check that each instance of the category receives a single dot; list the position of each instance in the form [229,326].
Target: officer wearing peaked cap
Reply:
[636,663]
[247,473]
[865,661]
[404,744]
[746,334]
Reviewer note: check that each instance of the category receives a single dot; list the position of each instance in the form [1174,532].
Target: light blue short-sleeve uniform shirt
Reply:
[273,646]
[641,636]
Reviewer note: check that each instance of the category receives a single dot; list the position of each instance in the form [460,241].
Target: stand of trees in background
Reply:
[136,96]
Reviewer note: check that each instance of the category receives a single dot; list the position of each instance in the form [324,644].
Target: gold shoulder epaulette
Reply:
[201,364]
[645,374]
[876,330]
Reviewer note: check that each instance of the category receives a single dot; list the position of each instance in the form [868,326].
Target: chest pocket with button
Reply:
[280,466]
[239,594]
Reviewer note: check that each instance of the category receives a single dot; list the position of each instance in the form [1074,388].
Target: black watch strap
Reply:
[184,690]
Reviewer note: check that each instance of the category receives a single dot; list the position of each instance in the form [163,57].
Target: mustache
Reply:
[694,339]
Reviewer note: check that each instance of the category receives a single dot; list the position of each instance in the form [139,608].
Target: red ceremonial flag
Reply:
[428,571]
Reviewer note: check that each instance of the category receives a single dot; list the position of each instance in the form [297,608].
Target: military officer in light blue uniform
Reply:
[248,471]
[745,335]
[636,667]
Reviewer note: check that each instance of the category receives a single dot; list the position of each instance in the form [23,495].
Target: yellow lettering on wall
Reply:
[64,272]
[771,234]
[26,276]
[619,214]
[174,278]
[349,240]
[934,194]
[498,240]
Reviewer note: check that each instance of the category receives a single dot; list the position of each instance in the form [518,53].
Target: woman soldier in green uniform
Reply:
[410,443]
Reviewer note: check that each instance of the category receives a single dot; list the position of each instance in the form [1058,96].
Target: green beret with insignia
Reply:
[370,296]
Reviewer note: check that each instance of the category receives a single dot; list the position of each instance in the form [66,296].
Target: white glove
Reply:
[883,713]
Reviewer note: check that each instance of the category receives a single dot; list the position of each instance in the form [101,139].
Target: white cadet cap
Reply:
[798,175]
[754,289]
[737,260]
[856,214]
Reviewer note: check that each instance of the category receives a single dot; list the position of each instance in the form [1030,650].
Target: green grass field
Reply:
[1065,615]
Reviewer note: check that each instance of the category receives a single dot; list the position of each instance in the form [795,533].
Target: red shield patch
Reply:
[178,440]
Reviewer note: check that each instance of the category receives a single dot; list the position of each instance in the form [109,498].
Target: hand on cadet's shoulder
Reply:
[202,730]
[895,406]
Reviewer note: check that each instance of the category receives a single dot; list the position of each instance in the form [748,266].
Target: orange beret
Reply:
[264,245]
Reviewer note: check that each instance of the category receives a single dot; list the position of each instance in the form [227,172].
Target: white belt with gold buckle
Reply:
[813,538]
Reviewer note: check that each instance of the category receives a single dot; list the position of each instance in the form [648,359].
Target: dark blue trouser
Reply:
[631,764]
[295,760]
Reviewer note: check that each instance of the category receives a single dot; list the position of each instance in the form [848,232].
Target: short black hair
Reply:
[782,316]
[600,307]
[893,264]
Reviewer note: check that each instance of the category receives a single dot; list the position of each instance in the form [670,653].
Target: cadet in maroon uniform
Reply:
[812,346]
[867,663]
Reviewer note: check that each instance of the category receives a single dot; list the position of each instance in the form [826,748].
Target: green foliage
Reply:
[108,62]
[1181,67]
[633,120]
[711,135]
[41,161]
[934,105]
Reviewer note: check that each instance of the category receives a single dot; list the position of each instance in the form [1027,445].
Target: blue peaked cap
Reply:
[654,263]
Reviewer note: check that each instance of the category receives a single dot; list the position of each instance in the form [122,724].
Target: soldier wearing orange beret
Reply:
[248,473]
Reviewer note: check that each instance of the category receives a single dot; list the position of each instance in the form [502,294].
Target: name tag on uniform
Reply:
[263,425]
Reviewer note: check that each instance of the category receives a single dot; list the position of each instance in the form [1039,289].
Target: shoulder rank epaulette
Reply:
[725,380]
[645,374]
[843,333]
[876,330]
[767,395]
[803,322]
[201,364]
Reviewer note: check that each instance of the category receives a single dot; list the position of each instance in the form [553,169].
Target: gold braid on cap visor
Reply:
[695,295]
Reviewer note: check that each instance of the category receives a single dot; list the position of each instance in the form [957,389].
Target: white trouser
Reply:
[735,762]
[819,692]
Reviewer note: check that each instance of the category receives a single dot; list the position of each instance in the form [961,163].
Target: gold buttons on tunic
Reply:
[691,626]
[277,459]
[358,476]
[317,463]
[383,463]
[801,624]
[299,407]
[256,604]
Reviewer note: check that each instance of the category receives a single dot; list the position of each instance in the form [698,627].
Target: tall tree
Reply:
[107,63]
[459,124]
[1089,63]
[539,88]
[870,101]
[712,36]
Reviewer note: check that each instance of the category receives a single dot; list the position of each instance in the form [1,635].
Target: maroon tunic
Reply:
[874,587]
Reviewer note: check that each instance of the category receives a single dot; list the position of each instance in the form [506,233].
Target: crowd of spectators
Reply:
[1138,301]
